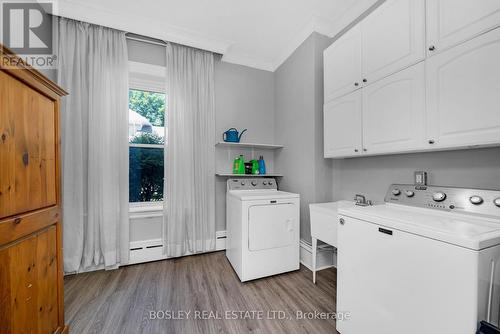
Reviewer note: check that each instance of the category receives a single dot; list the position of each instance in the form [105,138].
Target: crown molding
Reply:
[140,25]
[158,29]
[330,28]
[235,56]
[314,24]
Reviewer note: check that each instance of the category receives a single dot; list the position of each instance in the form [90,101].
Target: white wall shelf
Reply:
[249,145]
[222,174]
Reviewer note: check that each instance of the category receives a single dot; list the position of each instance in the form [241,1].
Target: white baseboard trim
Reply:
[152,250]
[326,256]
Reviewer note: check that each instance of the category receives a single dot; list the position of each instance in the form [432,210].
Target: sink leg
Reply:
[314,247]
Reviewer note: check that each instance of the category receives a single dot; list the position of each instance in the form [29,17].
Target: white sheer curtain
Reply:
[93,68]
[190,156]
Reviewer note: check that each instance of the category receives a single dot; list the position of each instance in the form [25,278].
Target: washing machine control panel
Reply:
[251,184]
[479,201]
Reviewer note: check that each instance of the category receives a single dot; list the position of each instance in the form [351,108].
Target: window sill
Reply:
[146,210]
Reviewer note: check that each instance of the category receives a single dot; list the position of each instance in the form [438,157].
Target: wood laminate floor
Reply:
[120,301]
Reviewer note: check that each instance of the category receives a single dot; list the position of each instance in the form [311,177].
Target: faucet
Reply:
[361,200]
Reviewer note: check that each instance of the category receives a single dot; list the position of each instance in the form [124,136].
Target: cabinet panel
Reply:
[394,112]
[27,148]
[463,94]
[28,285]
[46,273]
[18,286]
[393,37]
[342,65]
[450,22]
[342,126]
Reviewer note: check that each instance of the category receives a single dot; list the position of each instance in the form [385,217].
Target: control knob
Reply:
[439,196]
[497,201]
[254,183]
[242,183]
[409,193]
[396,192]
[270,183]
[476,200]
[264,183]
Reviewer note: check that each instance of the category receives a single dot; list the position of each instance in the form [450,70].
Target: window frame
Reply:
[150,78]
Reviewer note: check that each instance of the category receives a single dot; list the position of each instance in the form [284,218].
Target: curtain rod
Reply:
[138,39]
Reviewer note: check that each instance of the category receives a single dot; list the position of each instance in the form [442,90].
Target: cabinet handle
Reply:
[356,150]
[364,150]
[364,80]
[341,221]
[17,221]
[431,141]
[432,48]
[356,84]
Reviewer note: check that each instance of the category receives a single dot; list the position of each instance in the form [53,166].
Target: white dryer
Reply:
[262,228]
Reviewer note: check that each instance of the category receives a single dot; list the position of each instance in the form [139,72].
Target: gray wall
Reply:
[244,98]
[299,127]
[475,168]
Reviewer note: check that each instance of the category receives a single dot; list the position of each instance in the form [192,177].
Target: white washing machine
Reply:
[262,228]
[426,261]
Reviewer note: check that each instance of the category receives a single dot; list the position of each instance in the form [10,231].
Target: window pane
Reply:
[146,115]
[145,174]
[146,126]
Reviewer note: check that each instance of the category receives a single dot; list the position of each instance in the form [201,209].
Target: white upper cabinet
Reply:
[450,22]
[342,126]
[342,65]
[393,38]
[463,94]
[394,112]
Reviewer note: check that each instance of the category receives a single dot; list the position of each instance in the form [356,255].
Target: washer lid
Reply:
[261,194]
[465,230]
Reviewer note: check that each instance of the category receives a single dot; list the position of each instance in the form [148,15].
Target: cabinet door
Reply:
[342,126]
[27,148]
[18,287]
[393,38]
[450,22]
[394,112]
[29,285]
[342,65]
[463,94]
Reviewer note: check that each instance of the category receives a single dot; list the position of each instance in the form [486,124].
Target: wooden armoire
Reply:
[31,272]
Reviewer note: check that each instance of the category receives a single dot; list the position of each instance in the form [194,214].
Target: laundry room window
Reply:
[147,130]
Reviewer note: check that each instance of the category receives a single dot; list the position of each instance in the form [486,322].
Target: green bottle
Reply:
[239,165]
[255,167]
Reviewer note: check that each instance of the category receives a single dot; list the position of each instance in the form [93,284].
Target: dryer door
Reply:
[271,226]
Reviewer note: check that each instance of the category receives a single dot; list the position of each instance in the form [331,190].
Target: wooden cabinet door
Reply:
[18,287]
[27,148]
[393,38]
[29,285]
[342,65]
[450,22]
[463,94]
[342,126]
[394,112]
